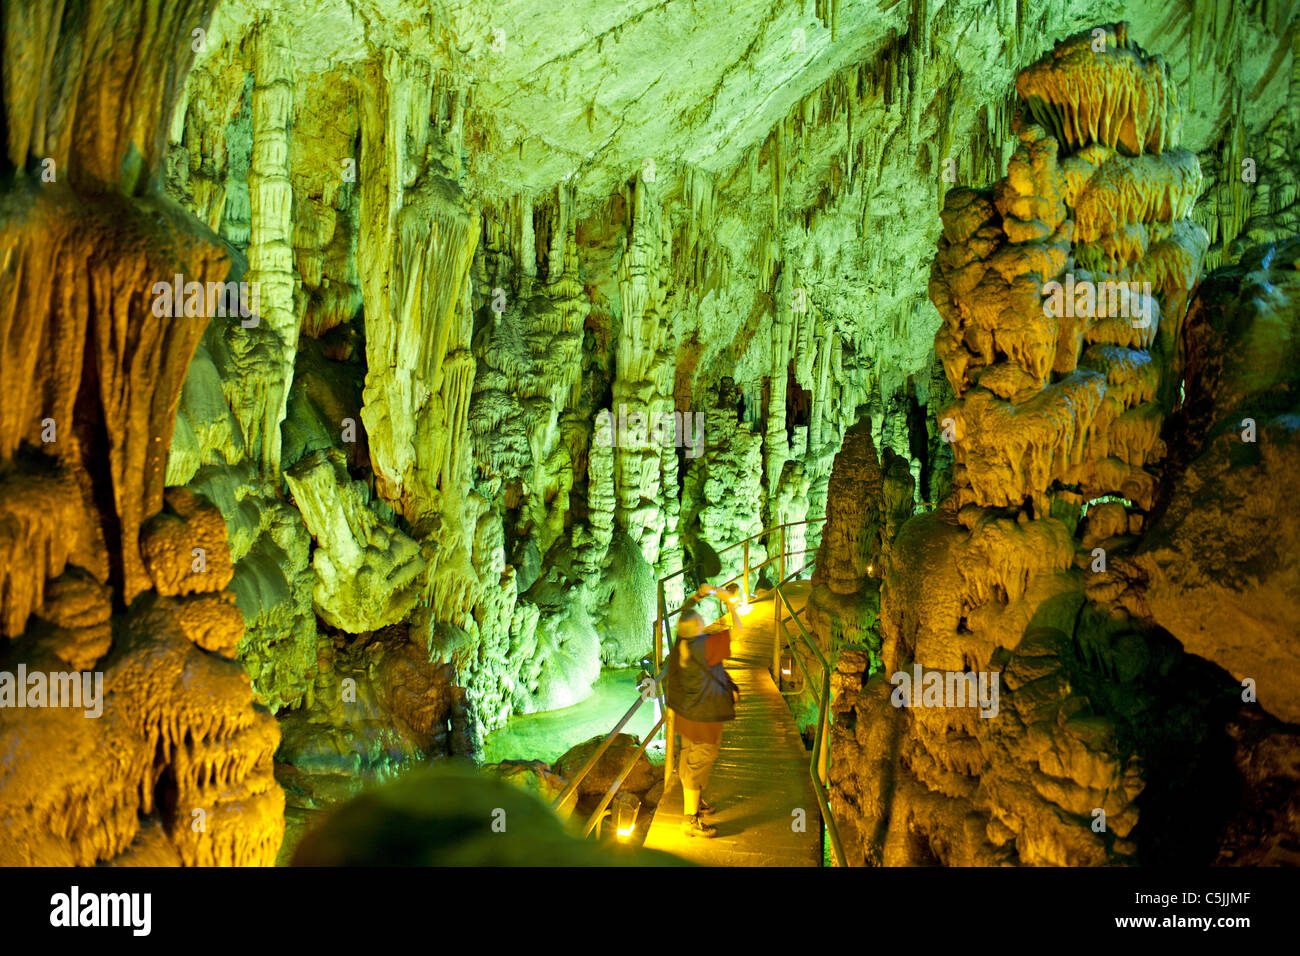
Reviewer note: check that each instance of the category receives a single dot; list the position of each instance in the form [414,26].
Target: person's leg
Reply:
[690,792]
[690,801]
[703,756]
[693,756]
[710,756]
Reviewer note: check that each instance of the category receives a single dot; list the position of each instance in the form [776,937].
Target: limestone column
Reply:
[270,247]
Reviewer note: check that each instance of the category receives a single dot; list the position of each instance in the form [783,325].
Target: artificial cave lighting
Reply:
[391,387]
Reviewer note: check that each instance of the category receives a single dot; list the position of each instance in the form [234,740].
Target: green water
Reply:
[546,736]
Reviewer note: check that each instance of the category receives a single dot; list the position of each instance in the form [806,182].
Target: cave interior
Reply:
[382,377]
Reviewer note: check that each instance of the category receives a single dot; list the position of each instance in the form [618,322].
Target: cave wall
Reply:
[112,582]
[1080,569]
[484,261]
[490,261]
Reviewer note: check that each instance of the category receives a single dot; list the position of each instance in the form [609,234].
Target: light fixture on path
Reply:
[624,809]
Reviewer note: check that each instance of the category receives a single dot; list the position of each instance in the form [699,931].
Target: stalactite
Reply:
[817,421]
[776,448]
[270,250]
[641,386]
[944,151]
[918,45]
[1238,197]
[1022,19]
[776,161]
[828,12]
[526,254]
[701,213]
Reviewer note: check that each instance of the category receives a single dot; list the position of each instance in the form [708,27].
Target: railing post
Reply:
[744,597]
[781,563]
[824,758]
[661,639]
[659,629]
[778,605]
[670,730]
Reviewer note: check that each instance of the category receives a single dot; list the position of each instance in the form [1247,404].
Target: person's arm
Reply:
[731,597]
[685,644]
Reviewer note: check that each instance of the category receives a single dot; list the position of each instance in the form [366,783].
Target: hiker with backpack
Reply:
[703,697]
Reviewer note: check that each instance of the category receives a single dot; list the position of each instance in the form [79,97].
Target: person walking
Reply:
[702,697]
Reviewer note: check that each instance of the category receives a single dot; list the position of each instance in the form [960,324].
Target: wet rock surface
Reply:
[1076,604]
[498,323]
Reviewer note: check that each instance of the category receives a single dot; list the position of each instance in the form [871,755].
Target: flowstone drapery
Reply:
[171,761]
[1062,387]
[484,263]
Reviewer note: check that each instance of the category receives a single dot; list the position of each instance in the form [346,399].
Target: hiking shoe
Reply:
[695,827]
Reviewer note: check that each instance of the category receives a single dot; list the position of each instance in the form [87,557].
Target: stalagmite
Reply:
[528,318]
[1062,391]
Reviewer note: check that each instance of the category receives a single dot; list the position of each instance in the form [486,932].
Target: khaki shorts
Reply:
[696,764]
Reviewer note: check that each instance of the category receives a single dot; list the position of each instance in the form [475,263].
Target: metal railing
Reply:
[819,766]
[655,687]
[663,624]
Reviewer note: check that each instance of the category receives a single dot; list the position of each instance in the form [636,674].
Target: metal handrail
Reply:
[798,658]
[819,766]
[666,719]
[738,577]
[752,537]
[664,622]
[747,569]
[581,775]
[608,798]
[820,760]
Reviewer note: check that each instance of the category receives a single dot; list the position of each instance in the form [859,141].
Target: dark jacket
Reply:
[697,691]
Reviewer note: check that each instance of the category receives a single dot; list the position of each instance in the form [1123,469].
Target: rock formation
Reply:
[96,368]
[366,573]
[1217,566]
[368,370]
[1064,288]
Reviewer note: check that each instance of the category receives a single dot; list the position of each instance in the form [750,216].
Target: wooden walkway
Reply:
[761,778]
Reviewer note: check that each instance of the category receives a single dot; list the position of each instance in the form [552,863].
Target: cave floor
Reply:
[761,777]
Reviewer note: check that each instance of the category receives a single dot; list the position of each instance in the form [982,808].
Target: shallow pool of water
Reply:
[546,736]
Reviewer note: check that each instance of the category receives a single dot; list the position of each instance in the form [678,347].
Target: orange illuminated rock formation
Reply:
[1062,290]
[1122,99]
[1086,242]
[172,748]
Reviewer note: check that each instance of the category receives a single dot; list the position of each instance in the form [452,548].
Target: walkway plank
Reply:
[761,776]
